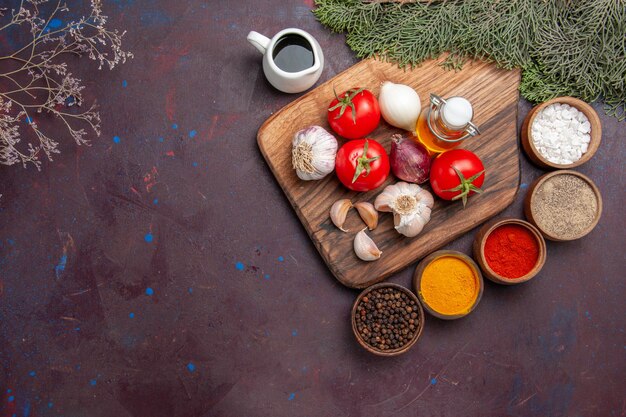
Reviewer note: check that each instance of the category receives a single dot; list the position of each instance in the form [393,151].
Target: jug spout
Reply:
[313,69]
[259,41]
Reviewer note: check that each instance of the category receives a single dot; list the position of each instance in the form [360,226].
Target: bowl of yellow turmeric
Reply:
[449,284]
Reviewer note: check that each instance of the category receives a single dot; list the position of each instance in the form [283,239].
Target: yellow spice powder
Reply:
[449,285]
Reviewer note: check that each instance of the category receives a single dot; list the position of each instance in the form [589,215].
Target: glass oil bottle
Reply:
[445,124]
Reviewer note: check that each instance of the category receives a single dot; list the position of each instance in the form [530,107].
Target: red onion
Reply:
[409,160]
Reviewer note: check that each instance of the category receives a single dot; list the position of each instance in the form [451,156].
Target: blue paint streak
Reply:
[93,382]
[174,126]
[32,373]
[55,23]
[191,367]
[131,315]
[9,391]
[26,409]
[60,266]
[588,315]
[11,398]
[190,290]
[11,242]
[149,291]
[116,139]
[155,201]
[124,84]
[50,404]
[161,140]
[294,332]
[28,120]
[148,237]
[239,266]
[523,186]
[195,164]
[267,276]
[281,259]
[433,381]
[291,396]
[192,134]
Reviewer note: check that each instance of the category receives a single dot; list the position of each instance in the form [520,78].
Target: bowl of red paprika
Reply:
[509,251]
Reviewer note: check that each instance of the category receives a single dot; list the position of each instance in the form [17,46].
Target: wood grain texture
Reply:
[494,95]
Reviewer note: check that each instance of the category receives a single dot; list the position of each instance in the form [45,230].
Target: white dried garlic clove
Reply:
[339,211]
[365,248]
[368,213]
[410,204]
[313,153]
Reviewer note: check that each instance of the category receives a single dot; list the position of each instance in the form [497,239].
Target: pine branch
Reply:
[563,47]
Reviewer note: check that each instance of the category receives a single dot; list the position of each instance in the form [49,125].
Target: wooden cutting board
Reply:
[493,93]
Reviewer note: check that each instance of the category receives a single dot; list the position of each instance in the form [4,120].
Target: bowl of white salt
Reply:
[561,133]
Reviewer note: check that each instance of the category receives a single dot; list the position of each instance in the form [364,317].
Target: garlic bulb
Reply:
[400,105]
[313,153]
[365,248]
[410,204]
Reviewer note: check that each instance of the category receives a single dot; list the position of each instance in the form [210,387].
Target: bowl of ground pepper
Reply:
[387,319]
[564,205]
[509,251]
[449,284]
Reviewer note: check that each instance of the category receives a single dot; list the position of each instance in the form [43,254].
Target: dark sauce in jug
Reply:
[293,53]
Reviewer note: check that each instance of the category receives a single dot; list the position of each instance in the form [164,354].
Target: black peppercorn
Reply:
[387,319]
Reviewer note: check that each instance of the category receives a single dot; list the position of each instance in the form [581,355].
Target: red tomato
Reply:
[457,174]
[354,114]
[362,164]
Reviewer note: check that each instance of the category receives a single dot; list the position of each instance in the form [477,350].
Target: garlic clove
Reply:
[410,226]
[365,248]
[385,199]
[425,198]
[339,211]
[368,213]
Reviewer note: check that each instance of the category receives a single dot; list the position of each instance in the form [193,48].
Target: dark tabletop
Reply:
[166,274]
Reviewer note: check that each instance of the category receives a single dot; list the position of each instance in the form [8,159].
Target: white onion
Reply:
[400,105]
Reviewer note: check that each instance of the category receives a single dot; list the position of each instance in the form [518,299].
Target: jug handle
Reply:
[259,41]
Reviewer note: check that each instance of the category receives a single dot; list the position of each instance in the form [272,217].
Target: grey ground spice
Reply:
[564,206]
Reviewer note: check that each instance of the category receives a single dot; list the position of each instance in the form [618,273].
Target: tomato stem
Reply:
[466,186]
[346,101]
[363,163]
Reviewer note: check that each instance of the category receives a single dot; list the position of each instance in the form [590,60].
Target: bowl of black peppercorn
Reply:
[387,319]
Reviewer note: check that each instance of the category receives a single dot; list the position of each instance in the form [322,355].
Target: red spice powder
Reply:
[511,251]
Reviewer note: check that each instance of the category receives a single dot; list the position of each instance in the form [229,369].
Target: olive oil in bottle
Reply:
[445,123]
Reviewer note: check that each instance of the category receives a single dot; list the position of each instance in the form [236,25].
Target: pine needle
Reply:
[563,47]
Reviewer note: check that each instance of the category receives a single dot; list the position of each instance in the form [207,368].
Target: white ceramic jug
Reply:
[287,81]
